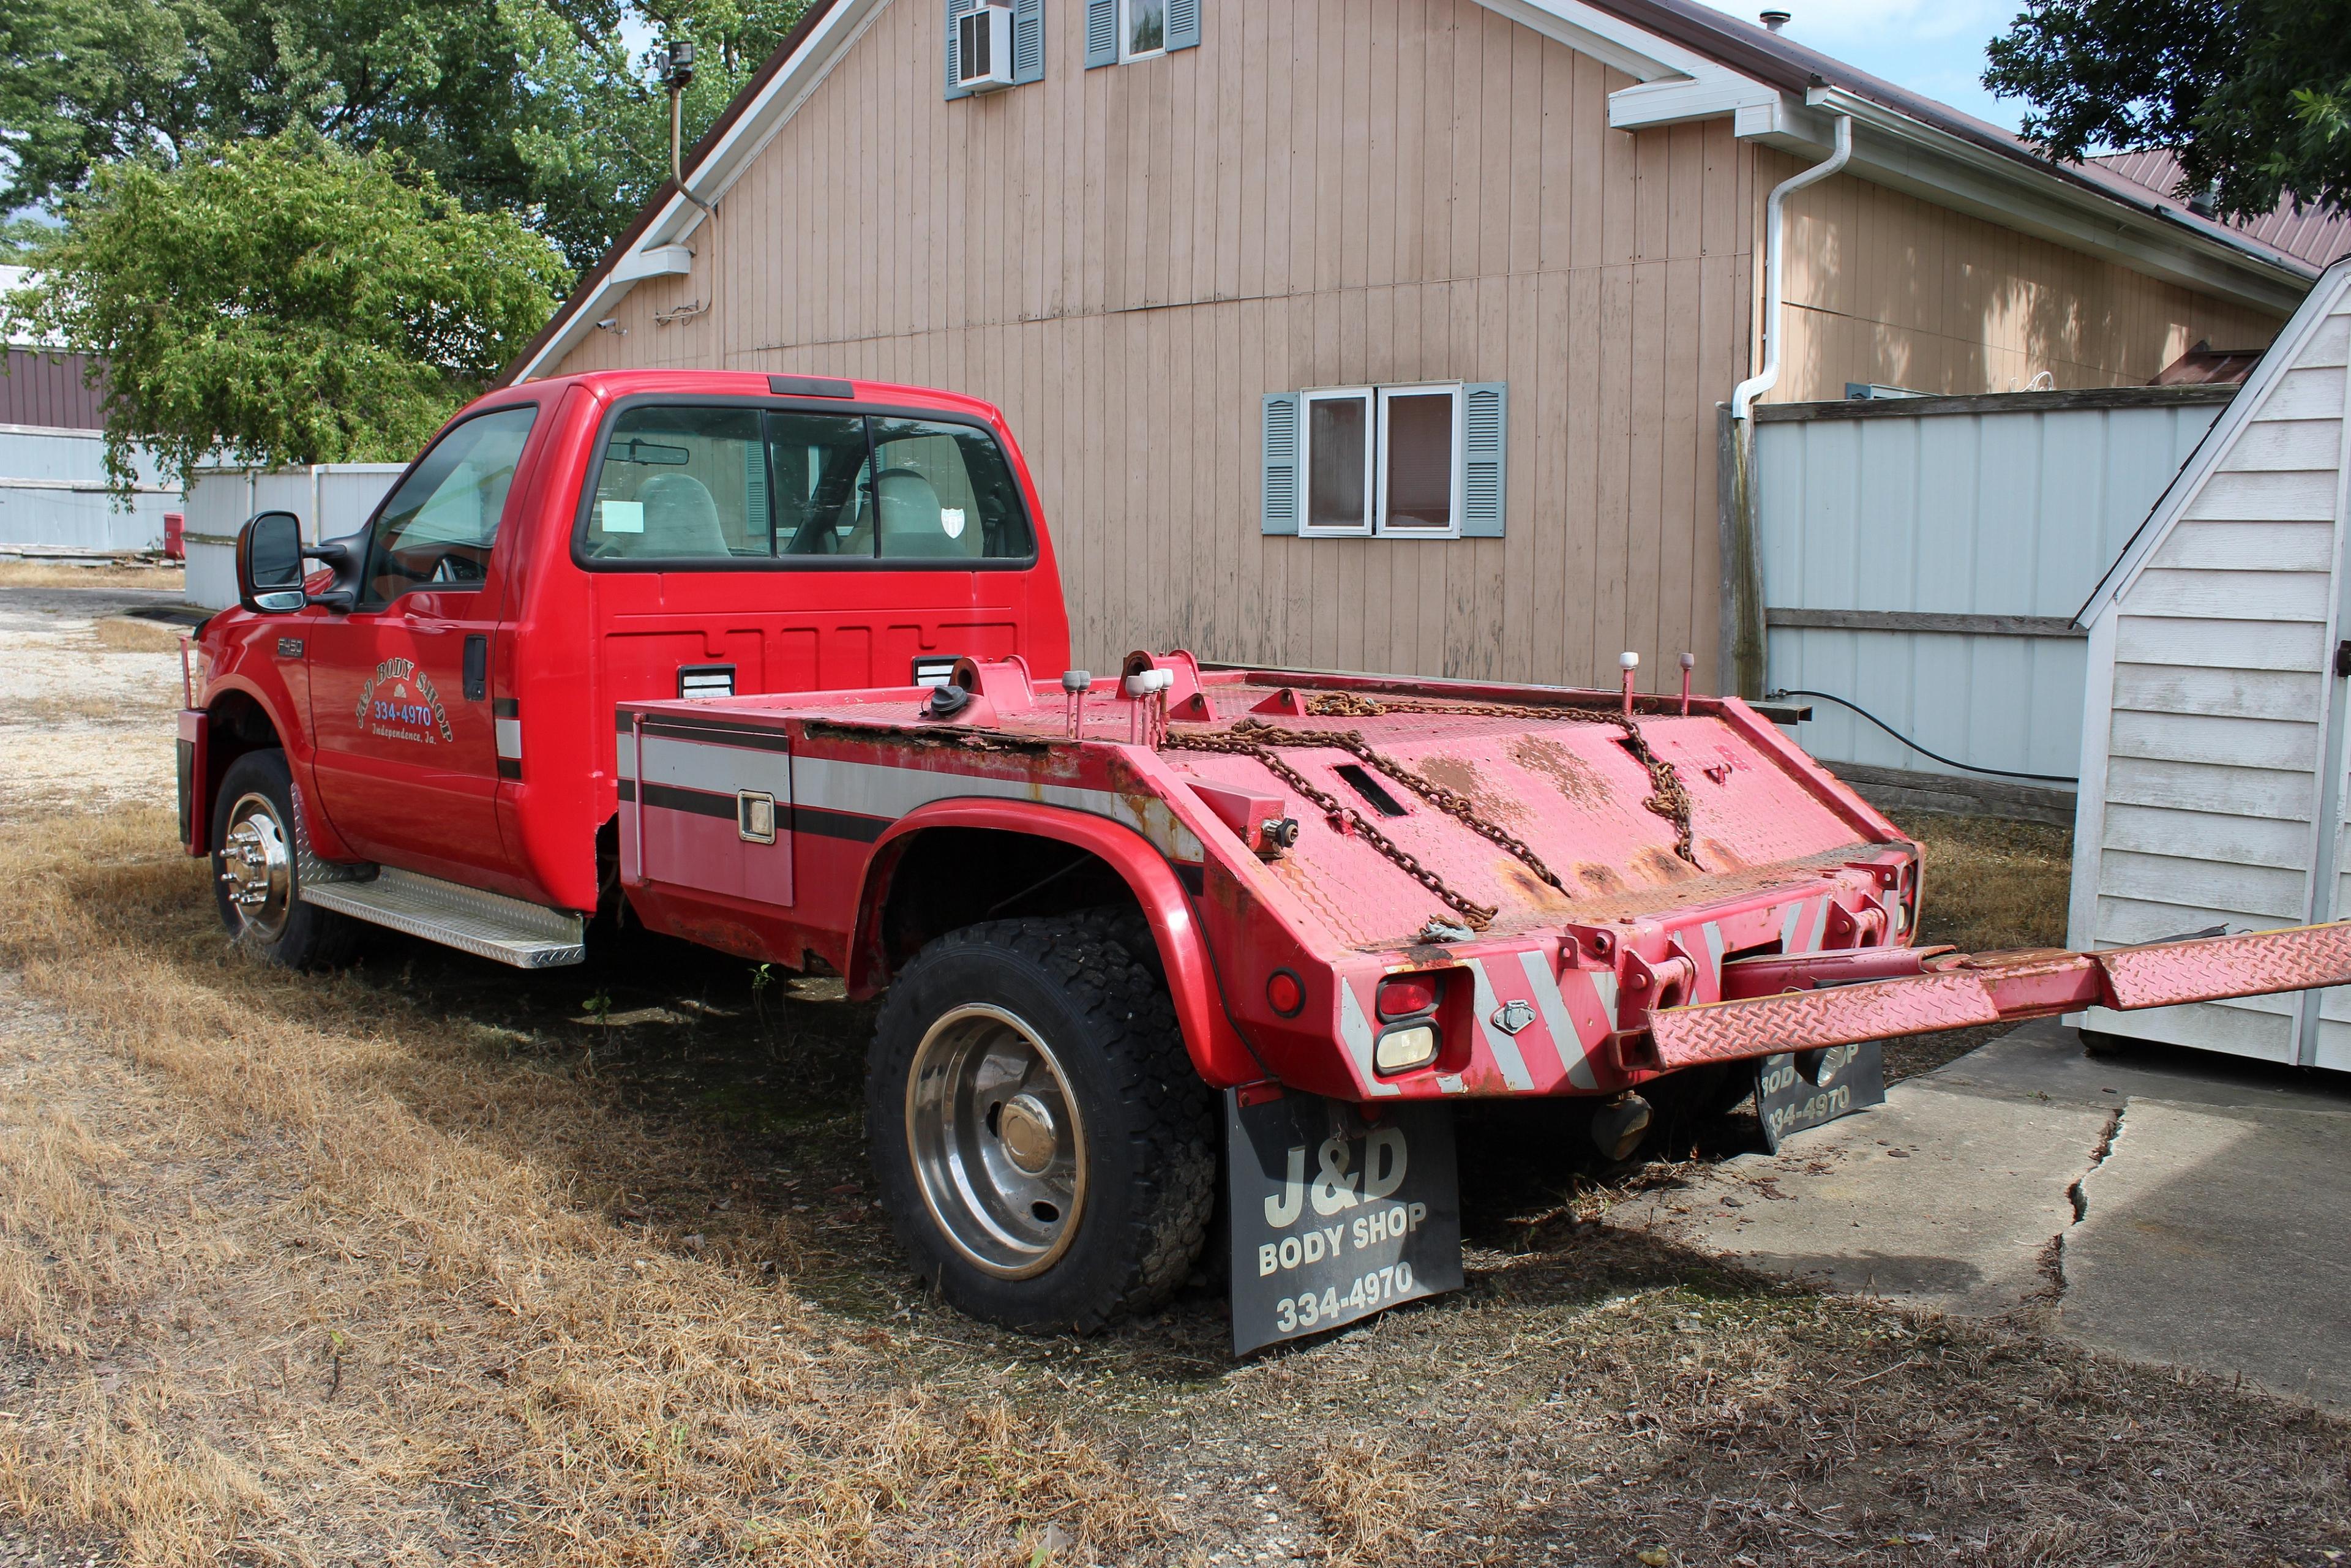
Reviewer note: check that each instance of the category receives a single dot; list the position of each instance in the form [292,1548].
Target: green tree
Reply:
[286,301]
[532,107]
[2253,95]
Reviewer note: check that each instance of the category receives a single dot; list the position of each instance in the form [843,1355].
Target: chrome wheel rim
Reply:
[256,867]
[997,1147]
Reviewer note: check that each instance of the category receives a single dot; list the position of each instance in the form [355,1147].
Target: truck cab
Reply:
[441,689]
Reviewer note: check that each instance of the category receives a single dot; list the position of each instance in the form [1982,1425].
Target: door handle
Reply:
[477,667]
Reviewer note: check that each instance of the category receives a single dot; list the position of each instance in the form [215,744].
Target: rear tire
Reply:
[256,871]
[1044,1146]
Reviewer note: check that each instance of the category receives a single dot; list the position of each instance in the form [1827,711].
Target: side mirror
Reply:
[269,563]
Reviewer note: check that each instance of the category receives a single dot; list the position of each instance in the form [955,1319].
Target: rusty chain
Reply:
[1243,740]
[1669,798]
[1255,739]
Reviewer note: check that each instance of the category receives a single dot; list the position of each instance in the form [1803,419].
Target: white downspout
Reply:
[1775,252]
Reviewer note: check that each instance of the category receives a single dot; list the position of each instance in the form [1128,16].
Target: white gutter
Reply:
[1775,248]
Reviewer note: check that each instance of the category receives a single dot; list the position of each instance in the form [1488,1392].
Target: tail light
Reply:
[1407,1008]
[1406,996]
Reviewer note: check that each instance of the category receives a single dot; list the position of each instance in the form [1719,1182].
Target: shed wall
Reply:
[1883,287]
[2217,739]
[1325,192]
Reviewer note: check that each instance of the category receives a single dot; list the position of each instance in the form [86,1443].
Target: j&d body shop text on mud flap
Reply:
[1801,1089]
[1335,1215]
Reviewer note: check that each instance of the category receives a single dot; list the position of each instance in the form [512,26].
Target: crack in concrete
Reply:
[2053,1257]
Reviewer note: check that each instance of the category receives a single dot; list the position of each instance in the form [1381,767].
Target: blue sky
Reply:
[1932,47]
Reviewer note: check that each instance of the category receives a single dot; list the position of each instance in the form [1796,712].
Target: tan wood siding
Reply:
[1883,287]
[1326,192]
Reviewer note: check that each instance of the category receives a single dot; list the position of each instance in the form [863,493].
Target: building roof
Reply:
[1688,62]
[2316,235]
[1777,59]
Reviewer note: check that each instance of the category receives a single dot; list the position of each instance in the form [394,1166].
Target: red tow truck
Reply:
[776,664]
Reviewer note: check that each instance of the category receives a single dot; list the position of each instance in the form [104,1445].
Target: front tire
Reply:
[1042,1144]
[256,871]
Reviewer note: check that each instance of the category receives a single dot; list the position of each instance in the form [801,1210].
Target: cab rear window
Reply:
[691,486]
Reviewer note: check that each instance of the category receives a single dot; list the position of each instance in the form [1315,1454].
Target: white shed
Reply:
[2214,726]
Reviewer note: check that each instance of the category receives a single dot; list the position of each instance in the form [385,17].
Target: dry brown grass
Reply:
[130,634]
[1992,884]
[47,574]
[1369,1498]
[302,1269]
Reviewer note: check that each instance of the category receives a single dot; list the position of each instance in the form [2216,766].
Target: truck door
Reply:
[400,708]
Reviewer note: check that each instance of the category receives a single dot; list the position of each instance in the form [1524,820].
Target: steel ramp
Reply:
[488,925]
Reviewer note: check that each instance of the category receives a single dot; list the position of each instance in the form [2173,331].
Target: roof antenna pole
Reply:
[1761,381]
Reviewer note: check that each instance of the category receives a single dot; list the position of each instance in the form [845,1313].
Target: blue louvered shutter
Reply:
[956,8]
[1027,41]
[1101,33]
[1280,463]
[1183,25]
[1485,450]
[757,522]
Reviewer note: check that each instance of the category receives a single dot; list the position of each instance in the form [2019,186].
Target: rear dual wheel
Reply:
[1044,1146]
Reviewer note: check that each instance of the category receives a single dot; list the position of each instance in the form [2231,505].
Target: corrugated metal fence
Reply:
[1923,558]
[332,499]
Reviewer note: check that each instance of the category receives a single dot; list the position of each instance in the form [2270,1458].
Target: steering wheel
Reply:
[455,567]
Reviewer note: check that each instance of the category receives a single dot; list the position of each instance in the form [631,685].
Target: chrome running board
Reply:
[488,925]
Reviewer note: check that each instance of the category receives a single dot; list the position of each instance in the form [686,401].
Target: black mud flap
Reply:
[1805,1088]
[1336,1214]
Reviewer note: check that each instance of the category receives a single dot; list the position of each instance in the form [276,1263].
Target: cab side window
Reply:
[438,528]
[682,483]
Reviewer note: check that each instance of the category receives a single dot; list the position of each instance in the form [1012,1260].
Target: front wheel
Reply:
[256,869]
[1044,1146]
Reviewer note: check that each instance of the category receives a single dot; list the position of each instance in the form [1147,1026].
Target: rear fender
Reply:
[1216,1047]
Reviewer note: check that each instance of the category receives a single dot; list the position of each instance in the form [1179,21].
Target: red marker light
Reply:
[1401,995]
[1285,993]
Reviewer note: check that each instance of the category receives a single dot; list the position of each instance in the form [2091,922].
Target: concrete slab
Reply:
[2216,1239]
[1933,1199]
[2173,1207]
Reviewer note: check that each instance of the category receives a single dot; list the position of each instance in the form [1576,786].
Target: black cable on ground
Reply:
[1945,761]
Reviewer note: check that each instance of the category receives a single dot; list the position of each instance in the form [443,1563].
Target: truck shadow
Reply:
[724,1105]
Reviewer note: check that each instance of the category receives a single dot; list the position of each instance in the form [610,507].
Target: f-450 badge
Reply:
[405,707]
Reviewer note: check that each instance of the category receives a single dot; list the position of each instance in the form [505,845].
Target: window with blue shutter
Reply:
[956,8]
[1101,33]
[1027,41]
[1432,463]
[1484,449]
[1280,506]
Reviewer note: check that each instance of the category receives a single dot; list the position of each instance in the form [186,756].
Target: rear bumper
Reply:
[1566,1012]
[1959,991]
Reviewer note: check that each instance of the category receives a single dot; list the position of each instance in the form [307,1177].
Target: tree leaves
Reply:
[284,302]
[2254,95]
[531,107]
